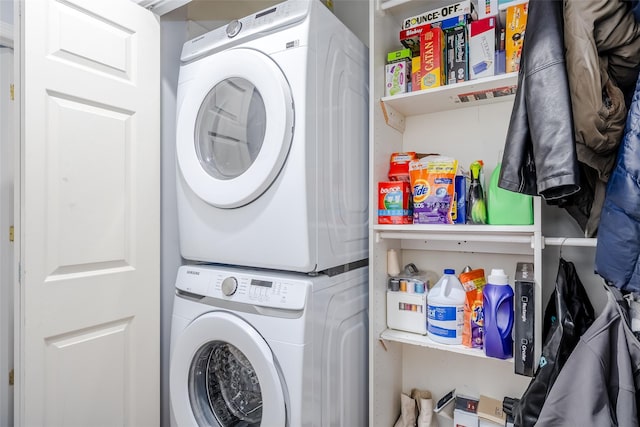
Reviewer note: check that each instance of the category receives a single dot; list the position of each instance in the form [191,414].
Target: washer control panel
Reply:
[266,20]
[277,290]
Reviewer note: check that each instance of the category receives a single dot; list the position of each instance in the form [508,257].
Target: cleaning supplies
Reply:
[497,303]
[476,206]
[445,309]
[507,207]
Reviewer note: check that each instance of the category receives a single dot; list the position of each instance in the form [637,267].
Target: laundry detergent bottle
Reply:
[445,309]
[497,304]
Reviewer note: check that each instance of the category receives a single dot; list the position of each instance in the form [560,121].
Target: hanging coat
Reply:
[599,384]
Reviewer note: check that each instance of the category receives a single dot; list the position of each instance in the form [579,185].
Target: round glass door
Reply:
[230,128]
[234,127]
[223,374]
[224,387]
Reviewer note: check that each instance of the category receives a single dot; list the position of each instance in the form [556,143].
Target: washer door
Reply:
[223,374]
[235,126]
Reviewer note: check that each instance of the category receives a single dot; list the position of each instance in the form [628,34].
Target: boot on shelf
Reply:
[408,412]
[424,402]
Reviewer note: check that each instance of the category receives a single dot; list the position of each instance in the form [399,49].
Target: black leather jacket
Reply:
[540,154]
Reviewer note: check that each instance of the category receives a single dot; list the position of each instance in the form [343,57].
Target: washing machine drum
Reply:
[229,374]
[234,126]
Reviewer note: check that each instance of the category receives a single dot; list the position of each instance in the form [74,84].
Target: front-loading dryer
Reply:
[273,349]
[272,136]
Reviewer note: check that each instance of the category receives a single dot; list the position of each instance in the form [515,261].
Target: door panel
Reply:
[90,215]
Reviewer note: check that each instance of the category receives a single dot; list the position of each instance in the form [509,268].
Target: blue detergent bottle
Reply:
[497,297]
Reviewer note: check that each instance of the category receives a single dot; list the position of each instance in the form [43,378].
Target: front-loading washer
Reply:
[272,137]
[271,349]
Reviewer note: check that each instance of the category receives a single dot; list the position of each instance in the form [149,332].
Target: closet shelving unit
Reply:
[437,121]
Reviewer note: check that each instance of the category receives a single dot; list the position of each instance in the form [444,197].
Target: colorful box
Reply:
[410,38]
[516,23]
[482,48]
[485,8]
[456,39]
[416,72]
[432,56]
[398,72]
[394,203]
[439,14]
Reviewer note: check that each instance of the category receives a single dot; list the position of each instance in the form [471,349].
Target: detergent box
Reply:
[482,47]
[439,14]
[432,56]
[394,203]
[398,72]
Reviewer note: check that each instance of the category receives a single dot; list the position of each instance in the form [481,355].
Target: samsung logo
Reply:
[195,273]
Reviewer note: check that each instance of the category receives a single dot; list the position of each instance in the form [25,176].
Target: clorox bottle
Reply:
[497,303]
[445,309]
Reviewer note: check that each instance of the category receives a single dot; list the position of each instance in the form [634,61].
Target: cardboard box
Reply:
[485,8]
[398,72]
[465,413]
[490,412]
[516,23]
[432,57]
[524,321]
[439,14]
[482,48]
[410,38]
[394,203]
[456,40]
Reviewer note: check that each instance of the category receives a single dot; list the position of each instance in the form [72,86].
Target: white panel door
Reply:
[90,215]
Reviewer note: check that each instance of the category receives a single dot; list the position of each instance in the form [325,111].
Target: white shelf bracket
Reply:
[393,118]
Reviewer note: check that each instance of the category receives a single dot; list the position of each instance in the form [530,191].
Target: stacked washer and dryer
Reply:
[269,322]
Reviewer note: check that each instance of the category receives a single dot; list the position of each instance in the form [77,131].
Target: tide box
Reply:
[439,14]
[482,47]
[456,40]
[432,59]
[394,203]
[524,325]
[410,38]
[516,23]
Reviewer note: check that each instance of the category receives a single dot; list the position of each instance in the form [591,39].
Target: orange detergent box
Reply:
[432,51]
[516,24]
[394,203]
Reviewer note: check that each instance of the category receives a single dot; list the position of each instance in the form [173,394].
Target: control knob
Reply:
[229,286]
[233,28]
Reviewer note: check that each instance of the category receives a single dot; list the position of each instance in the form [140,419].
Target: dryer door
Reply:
[234,126]
[224,374]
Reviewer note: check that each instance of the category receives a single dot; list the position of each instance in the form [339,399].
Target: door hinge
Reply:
[12,92]
[11,377]
[11,230]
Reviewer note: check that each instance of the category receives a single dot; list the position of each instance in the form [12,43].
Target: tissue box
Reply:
[482,48]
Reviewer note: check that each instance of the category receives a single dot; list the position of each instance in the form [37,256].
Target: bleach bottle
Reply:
[497,299]
[445,309]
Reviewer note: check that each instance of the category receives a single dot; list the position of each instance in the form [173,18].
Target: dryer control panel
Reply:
[266,20]
[283,291]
